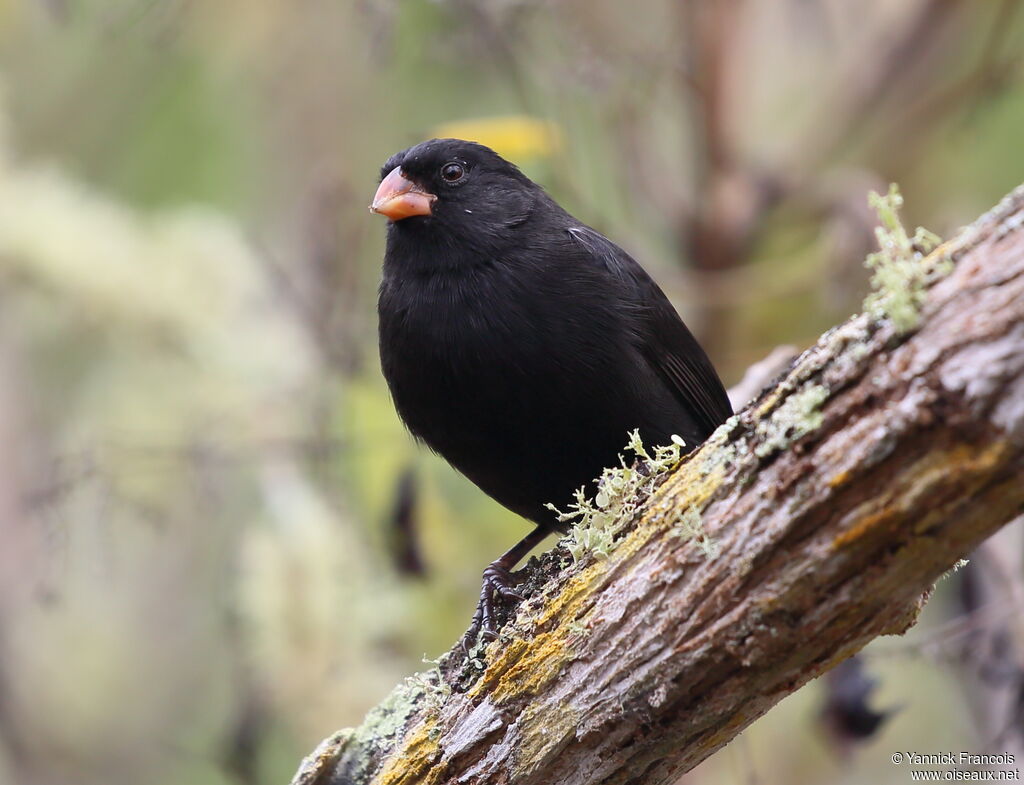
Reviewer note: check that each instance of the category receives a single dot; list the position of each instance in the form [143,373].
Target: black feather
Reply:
[665,341]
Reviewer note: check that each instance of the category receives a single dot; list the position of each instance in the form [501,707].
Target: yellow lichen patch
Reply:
[522,668]
[770,401]
[937,469]
[866,525]
[959,464]
[525,670]
[690,488]
[415,763]
[727,732]
[839,479]
[543,729]
[542,662]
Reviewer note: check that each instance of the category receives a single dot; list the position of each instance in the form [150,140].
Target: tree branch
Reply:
[828,508]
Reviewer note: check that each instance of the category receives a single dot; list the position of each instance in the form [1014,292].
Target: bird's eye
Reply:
[453,172]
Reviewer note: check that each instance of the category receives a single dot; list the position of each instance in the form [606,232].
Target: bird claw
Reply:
[497,583]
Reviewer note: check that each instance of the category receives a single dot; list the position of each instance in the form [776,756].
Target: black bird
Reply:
[521,344]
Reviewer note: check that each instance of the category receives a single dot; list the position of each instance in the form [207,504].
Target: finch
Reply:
[522,345]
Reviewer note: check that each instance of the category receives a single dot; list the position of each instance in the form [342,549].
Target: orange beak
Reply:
[399,197]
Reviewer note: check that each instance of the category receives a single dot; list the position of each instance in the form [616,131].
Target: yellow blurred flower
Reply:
[515,137]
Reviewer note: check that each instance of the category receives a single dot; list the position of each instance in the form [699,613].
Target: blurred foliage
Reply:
[198,458]
[516,137]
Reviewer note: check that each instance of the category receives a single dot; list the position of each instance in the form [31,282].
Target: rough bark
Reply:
[832,504]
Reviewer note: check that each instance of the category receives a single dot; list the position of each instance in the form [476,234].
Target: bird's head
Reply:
[456,191]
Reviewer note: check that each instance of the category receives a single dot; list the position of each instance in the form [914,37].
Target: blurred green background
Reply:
[217,544]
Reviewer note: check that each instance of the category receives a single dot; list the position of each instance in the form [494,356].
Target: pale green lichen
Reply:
[359,749]
[720,458]
[796,417]
[691,527]
[432,684]
[901,274]
[858,351]
[621,492]
[577,628]
[723,449]
[475,656]
[389,716]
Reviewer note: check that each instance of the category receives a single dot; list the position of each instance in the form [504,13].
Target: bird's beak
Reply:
[399,197]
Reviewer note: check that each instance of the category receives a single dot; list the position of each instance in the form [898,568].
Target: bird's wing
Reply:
[666,343]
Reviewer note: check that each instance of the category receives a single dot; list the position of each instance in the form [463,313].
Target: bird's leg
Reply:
[498,582]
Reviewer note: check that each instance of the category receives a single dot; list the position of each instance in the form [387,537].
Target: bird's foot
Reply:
[498,583]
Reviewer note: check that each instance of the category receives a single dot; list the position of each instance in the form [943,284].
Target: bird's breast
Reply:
[524,386]
[455,335]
